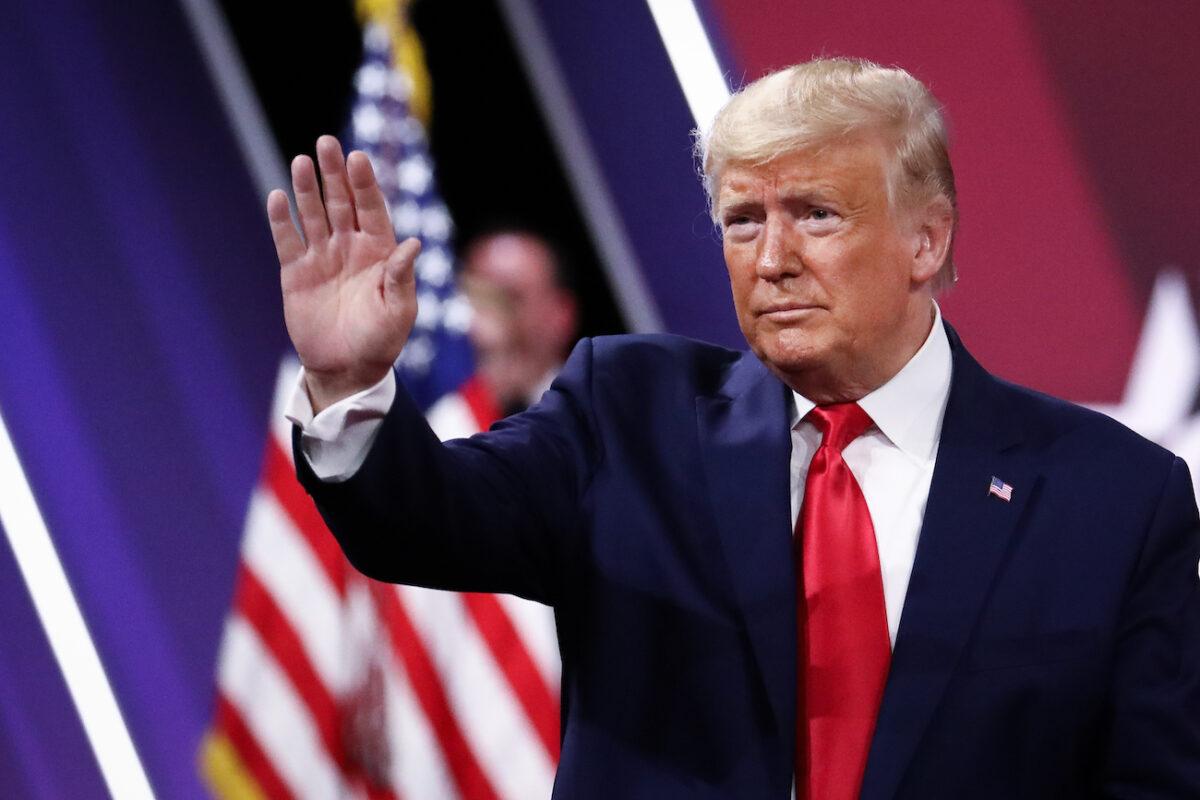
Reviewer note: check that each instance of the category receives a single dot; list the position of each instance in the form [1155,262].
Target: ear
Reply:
[933,230]
[564,319]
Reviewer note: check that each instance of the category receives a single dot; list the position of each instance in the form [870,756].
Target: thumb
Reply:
[399,282]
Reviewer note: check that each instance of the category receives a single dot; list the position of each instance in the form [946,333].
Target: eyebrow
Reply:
[737,203]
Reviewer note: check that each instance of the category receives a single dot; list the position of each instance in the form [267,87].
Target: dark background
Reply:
[496,164]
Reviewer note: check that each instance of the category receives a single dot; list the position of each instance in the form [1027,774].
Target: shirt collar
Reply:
[908,409]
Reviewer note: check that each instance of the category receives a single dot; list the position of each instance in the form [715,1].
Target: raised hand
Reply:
[349,296]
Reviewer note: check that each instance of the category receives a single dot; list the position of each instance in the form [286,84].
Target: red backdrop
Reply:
[1073,129]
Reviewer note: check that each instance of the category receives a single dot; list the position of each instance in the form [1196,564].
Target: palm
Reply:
[333,300]
[348,294]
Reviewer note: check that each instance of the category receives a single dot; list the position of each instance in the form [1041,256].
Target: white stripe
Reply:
[451,418]
[493,722]
[69,639]
[625,279]
[417,766]
[465,652]
[246,116]
[280,722]
[285,383]
[692,57]
[283,562]
[535,627]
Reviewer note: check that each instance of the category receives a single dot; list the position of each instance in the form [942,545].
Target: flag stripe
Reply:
[479,400]
[288,569]
[451,418]
[494,724]
[523,676]
[526,681]
[377,793]
[535,626]
[254,682]
[431,693]
[230,723]
[258,608]
[418,767]
[280,476]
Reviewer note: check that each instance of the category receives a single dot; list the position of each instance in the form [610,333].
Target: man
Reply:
[989,593]
[525,313]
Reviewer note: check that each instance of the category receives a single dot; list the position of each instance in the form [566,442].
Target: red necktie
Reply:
[844,649]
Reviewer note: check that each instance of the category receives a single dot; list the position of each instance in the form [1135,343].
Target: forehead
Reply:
[854,166]
[512,259]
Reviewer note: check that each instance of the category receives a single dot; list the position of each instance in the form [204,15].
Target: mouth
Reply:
[784,312]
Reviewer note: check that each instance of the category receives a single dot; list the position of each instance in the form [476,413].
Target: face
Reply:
[831,287]
[522,320]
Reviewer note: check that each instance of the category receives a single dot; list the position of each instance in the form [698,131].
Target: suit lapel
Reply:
[746,445]
[964,537]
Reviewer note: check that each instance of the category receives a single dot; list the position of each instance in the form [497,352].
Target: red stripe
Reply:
[431,694]
[480,401]
[275,630]
[526,681]
[257,607]
[536,698]
[361,784]
[376,793]
[280,477]
[229,722]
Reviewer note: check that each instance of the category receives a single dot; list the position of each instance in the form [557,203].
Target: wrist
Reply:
[326,388]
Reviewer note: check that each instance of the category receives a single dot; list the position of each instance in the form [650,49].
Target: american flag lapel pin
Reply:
[999,488]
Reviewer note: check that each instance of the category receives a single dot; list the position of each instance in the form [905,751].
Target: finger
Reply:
[308,201]
[399,281]
[338,204]
[369,202]
[288,244]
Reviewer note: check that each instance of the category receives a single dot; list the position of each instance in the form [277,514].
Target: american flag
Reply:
[1000,489]
[331,685]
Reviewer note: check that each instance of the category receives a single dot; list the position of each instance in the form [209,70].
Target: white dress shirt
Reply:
[893,461]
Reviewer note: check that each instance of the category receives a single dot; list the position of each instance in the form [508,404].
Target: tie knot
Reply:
[839,423]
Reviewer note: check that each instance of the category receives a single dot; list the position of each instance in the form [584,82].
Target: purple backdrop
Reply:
[138,351]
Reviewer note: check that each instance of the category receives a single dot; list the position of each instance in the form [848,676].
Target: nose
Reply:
[775,256]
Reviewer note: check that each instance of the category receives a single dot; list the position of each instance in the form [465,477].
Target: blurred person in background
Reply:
[526,315]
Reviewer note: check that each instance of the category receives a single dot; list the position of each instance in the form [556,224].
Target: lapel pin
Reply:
[999,488]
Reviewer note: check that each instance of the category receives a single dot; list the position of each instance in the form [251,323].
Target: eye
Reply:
[738,227]
[820,220]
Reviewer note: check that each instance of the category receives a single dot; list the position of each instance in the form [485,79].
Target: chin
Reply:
[790,355]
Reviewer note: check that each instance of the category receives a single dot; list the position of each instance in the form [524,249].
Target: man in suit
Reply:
[851,558]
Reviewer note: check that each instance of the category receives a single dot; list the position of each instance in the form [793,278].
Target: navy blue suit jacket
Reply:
[1049,646]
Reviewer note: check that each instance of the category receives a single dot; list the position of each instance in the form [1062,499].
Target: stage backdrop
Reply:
[140,327]
[140,332]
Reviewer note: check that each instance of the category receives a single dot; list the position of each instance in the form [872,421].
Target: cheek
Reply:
[868,278]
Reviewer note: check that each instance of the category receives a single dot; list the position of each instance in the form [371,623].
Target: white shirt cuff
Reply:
[336,441]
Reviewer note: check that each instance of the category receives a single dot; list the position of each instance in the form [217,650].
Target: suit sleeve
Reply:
[1155,746]
[499,512]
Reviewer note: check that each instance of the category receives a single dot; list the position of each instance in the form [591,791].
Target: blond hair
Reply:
[820,101]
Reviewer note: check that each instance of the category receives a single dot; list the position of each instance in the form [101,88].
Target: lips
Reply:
[784,309]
